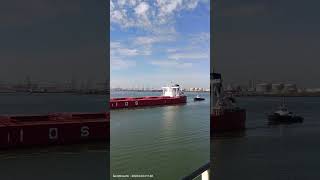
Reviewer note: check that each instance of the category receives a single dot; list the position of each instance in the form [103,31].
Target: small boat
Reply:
[283,116]
[198,98]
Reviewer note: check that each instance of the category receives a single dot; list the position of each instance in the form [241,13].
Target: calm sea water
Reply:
[22,103]
[167,142]
[80,162]
[263,152]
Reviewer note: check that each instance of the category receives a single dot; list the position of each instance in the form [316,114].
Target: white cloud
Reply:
[121,2]
[149,40]
[172,50]
[120,56]
[120,17]
[200,38]
[140,14]
[120,64]
[184,78]
[132,2]
[190,56]
[117,49]
[168,6]
[145,43]
[114,45]
[128,52]
[141,9]
[195,47]
[111,6]
[193,4]
[171,64]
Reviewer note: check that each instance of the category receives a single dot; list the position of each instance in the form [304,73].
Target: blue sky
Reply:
[158,41]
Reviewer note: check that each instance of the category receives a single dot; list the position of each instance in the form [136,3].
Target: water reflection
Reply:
[170,117]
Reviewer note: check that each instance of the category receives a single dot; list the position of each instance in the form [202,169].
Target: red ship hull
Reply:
[131,102]
[227,121]
[56,129]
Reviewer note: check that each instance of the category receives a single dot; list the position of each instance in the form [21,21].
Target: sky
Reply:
[53,41]
[155,42]
[271,40]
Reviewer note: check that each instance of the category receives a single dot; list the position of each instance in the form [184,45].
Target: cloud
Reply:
[150,27]
[120,64]
[147,15]
[200,38]
[195,47]
[117,49]
[172,50]
[184,78]
[146,43]
[120,56]
[168,6]
[171,64]
[190,56]
[141,9]
[149,40]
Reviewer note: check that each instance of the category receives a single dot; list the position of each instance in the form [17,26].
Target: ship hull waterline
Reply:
[228,121]
[148,101]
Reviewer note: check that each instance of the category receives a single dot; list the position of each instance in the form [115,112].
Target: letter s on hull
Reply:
[85,131]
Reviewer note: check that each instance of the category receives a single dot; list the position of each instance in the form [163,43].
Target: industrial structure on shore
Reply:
[271,89]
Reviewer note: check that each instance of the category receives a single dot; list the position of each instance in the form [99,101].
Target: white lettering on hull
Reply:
[84,131]
[53,133]
[21,135]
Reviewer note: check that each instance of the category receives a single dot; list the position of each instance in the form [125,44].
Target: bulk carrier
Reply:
[53,129]
[226,116]
[171,95]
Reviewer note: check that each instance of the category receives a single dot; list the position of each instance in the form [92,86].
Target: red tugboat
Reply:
[53,129]
[225,115]
[171,95]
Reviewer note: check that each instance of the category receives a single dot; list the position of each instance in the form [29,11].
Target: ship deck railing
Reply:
[201,173]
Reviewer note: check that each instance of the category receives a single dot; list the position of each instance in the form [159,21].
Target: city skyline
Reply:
[158,42]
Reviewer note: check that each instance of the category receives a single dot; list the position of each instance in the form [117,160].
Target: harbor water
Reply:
[270,152]
[167,142]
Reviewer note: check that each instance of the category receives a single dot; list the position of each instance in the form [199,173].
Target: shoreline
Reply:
[152,91]
[280,95]
[74,93]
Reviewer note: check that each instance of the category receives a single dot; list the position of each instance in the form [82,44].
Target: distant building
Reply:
[277,87]
[196,89]
[263,87]
[313,90]
[251,85]
[229,87]
[289,88]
